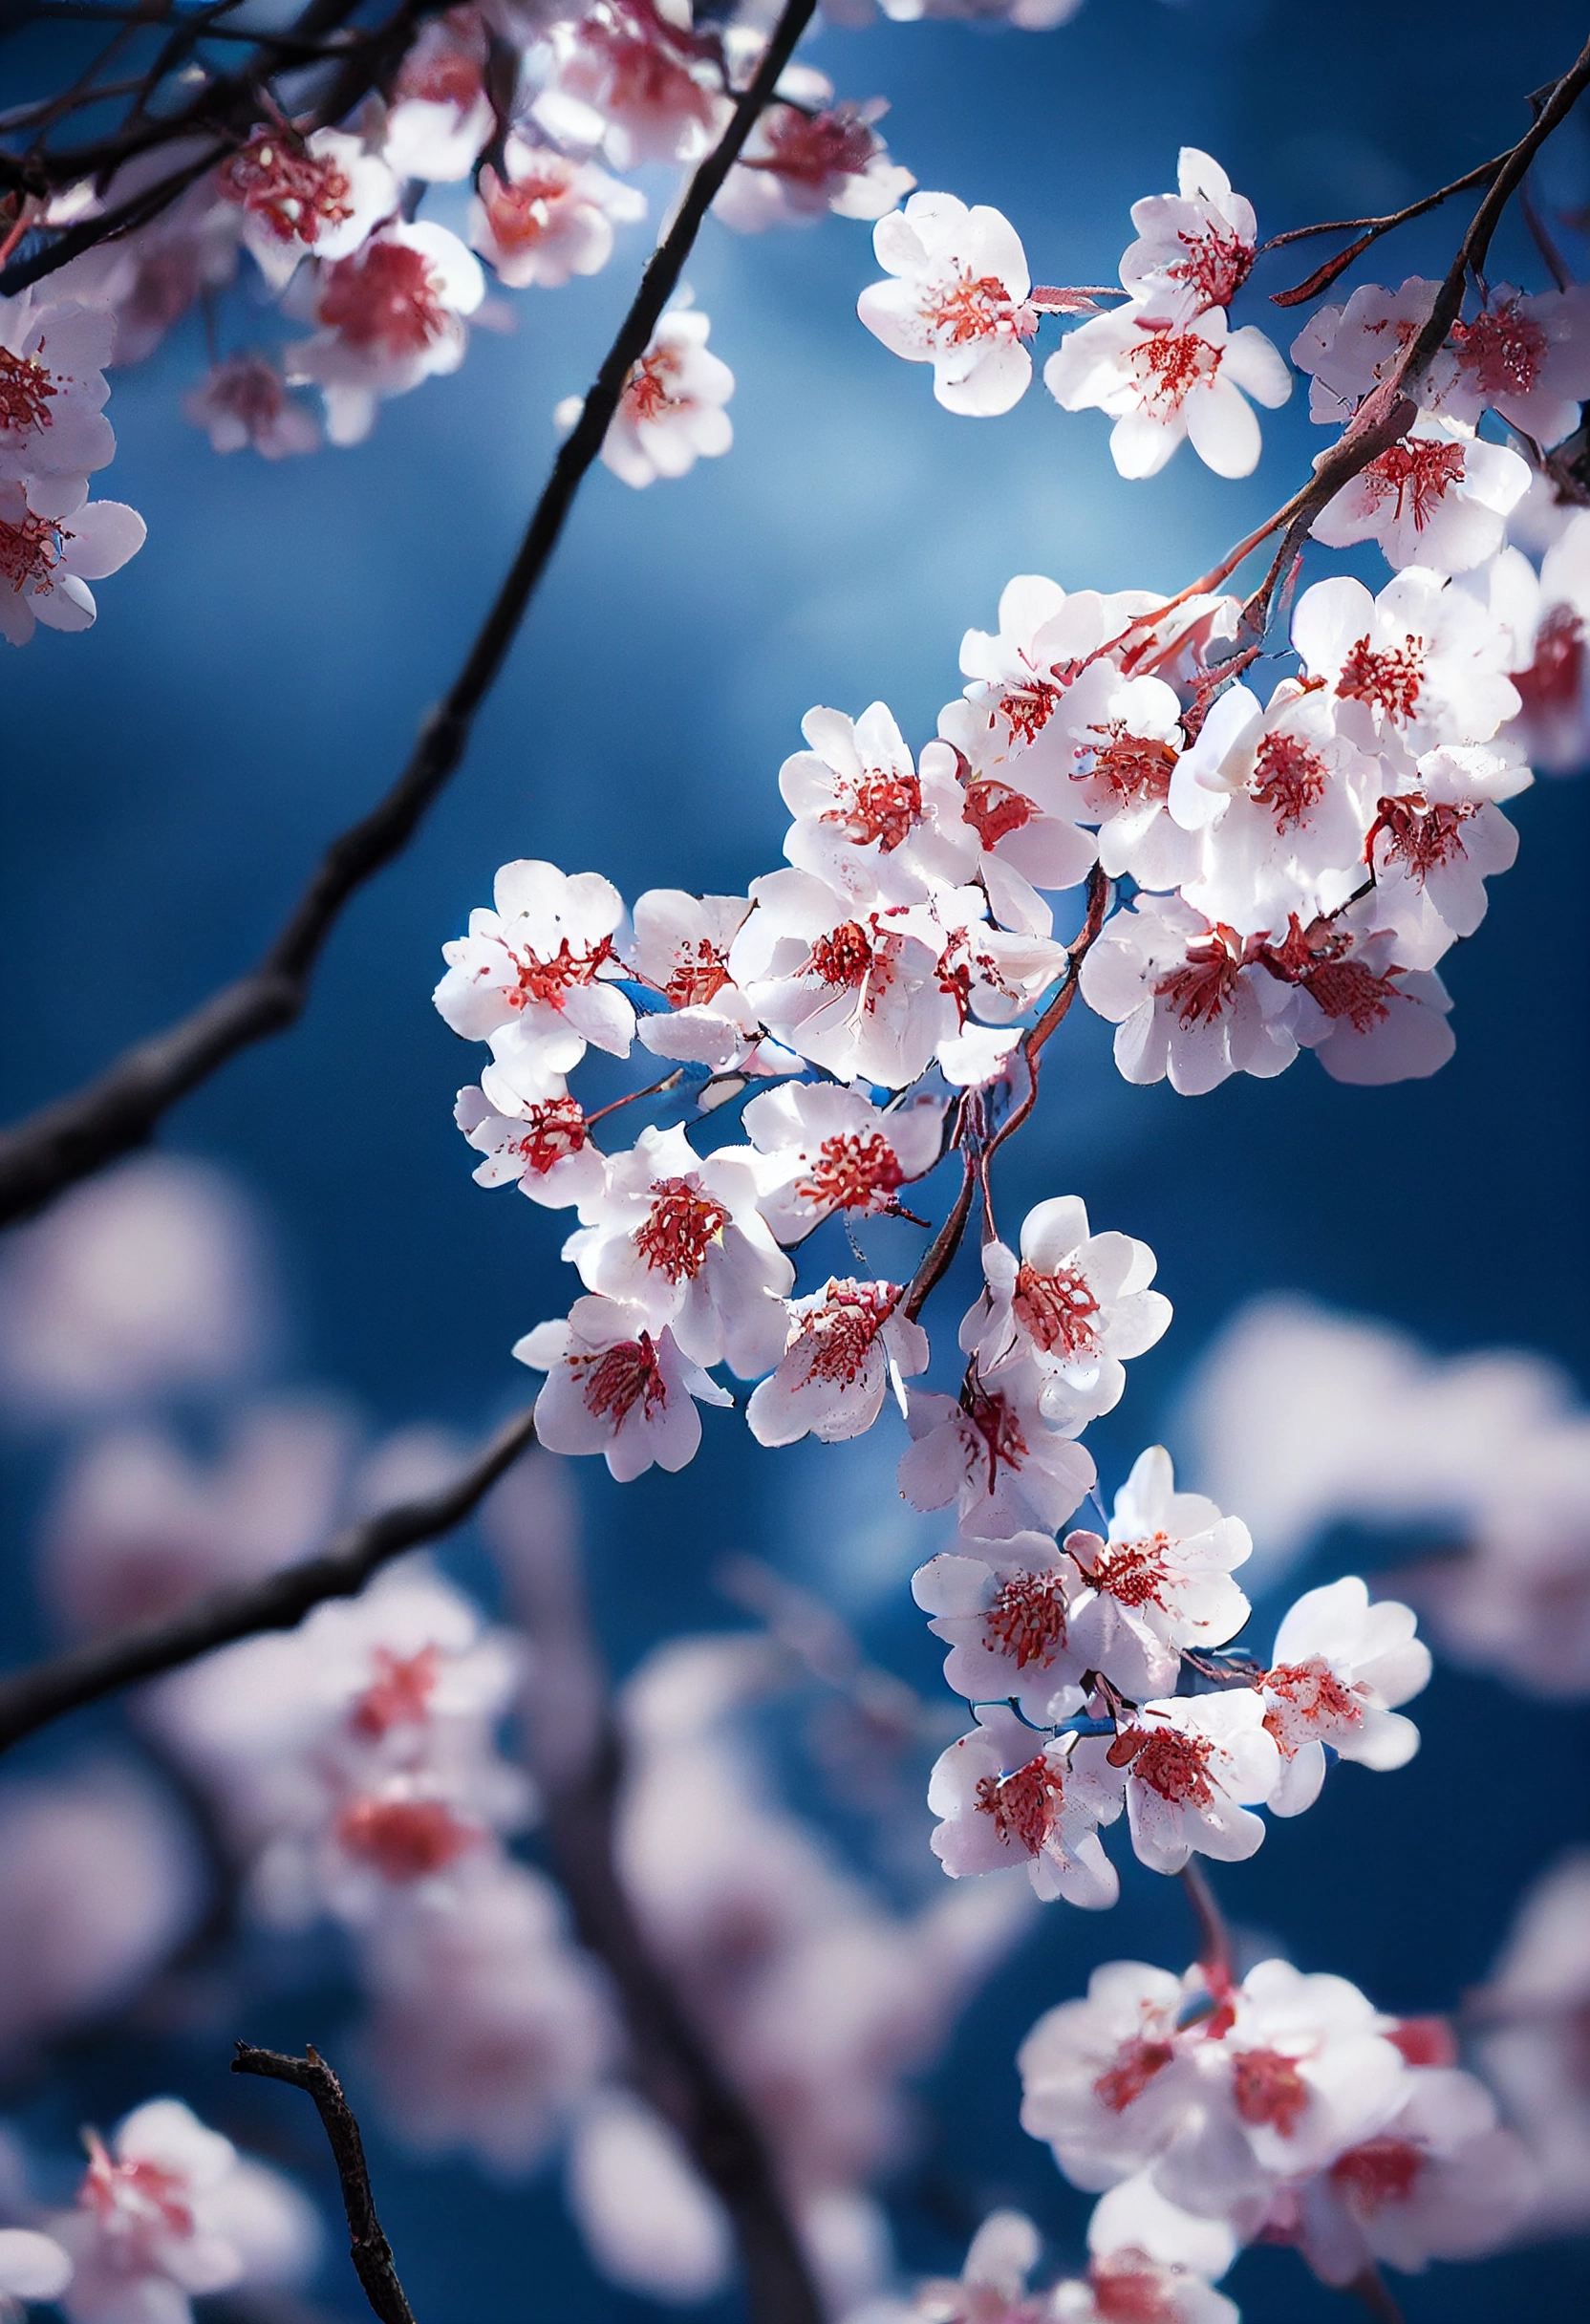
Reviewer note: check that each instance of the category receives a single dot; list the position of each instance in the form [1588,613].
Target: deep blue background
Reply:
[255,680]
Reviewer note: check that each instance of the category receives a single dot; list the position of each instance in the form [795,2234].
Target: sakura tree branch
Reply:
[577,1756]
[118,1111]
[32,1698]
[1334,267]
[1213,1936]
[367,2243]
[1371,2290]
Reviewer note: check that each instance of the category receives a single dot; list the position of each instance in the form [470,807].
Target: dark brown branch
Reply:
[116,1113]
[367,2243]
[32,1698]
[1334,267]
[577,1757]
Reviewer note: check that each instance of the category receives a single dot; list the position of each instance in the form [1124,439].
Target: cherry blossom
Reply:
[33,2267]
[1531,2050]
[1440,2179]
[1078,1303]
[1438,498]
[848,1344]
[866,822]
[1169,370]
[1151,2257]
[615,1388]
[629,76]
[1004,1608]
[1339,1668]
[546,218]
[543,1149]
[1198,242]
[52,393]
[1161,1582]
[147,280]
[1367,1018]
[1108,2081]
[441,118]
[1016,841]
[1352,349]
[46,561]
[679,1237]
[245,401]
[1124,736]
[992,2286]
[541,963]
[319,196]
[392,315]
[1421,665]
[1006,1794]
[169,2210]
[811,156]
[819,1149]
[1195,1765]
[958,300]
[1547,615]
[990,1452]
[680,949]
[1187,1002]
[1435,842]
[1525,358]
[671,412]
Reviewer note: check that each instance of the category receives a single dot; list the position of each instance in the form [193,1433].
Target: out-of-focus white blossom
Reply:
[671,412]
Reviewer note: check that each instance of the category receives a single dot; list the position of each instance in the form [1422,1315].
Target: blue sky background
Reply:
[253,683]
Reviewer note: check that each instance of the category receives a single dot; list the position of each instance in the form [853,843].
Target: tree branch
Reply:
[32,1698]
[367,2243]
[116,1111]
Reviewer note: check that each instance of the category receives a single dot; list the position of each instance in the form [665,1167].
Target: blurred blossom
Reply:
[1536,2051]
[149,1279]
[649,2221]
[99,1883]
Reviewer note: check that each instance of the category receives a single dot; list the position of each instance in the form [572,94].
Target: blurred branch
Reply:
[32,1698]
[577,1756]
[367,2243]
[110,1115]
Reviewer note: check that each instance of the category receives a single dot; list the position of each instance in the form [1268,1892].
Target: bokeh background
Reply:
[255,680]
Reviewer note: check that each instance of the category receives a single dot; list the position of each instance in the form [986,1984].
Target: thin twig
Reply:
[1334,267]
[116,1111]
[1370,2287]
[367,2243]
[32,1698]
[1213,1937]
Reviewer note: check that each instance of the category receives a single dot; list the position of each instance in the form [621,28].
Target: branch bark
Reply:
[367,2243]
[118,1111]
[32,1698]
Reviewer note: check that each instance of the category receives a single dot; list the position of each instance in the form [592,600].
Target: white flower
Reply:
[170,2210]
[1004,1608]
[547,217]
[1421,665]
[628,76]
[678,1236]
[614,1388]
[1525,358]
[1195,1765]
[1339,1667]
[1150,2259]
[1351,350]
[52,394]
[1549,664]
[543,1149]
[1007,1795]
[681,950]
[671,412]
[441,118]
[1167,370]
[33,2267]
[1187,1001]
[866,822]
[1077,1303]
[46,561]
[540,963]
[990,1452]
[1434,843]
[1198,241]
[1160,1583]
[1109,2081]
[1438,498]
[390,315]
[1125,736]
[958,300]
[244,401]
[820,1148]
[1367,1018]
[802,161]
[848,1344]
[320,197]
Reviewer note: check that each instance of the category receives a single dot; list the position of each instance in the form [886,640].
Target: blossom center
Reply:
[523,211]
[976,307]
[997,1424]
[1268,2089]
[1218,264]
[1167,365]
[1381,2171]
[1058,1310]
[1129,2288]
[811,149]
[1424,837]
[553,1132]
[385,296]
[994,809]
[1025,1805]
[1132,2069]
[1207,980]
[1027,709]
[400,1694]
[699,974]
[135,2195]
[1552,682]
[1413,476]
[1389,680]
[1174,1764]
[1027,1618]
[549,981]
[1133,1573]
[1134,770]
[854,1173]
[649,392]
[26,392]
[30,552]
[841,958]
[837,1337]
[1308,1698]
[679,1229]
[1503,350]
[1290,779]
[618,1378]
[296,193]
[881,806]
[402,1839]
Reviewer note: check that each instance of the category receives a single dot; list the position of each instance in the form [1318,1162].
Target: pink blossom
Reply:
[441,118]
[1339,1668]
[1526,358]
[543,1149]
[1169,370]
[321,196]
[547,218]
[1004,1608]
[52,393]
[1109,2081]
[1532,2050]
[631,77]
[990,1452]
[811,156]
[681,950]
[1435,841]
[1125,738]
[614,1387]
[543,964]
[651,2224]
[1198,242]
[1194,1765]
[1350,350]
[1006,1795]
[818,1149]
[1186,1000]
[1369,1019]
[671,413]
[866,822]
[1078,1303]
[33,2267]
[147,280]
[244,401]
[958,300]
[1421,665]
[391,315]
[1152,2259]
[1438,498]
[46,561]
[1548,664]
[848,1344]
[1160,1583]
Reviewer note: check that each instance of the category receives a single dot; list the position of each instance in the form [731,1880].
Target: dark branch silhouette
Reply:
[367,2243]
[32,1698]
[118,1111]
